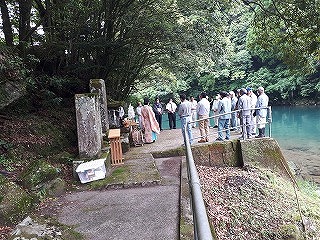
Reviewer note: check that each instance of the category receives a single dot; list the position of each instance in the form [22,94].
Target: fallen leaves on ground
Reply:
[244,204]
[4,232]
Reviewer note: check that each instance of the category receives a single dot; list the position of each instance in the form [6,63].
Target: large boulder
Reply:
[265,153]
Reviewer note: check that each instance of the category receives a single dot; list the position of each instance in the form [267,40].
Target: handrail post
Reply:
[269,119]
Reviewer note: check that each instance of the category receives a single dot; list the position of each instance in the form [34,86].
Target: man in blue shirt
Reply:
[224,110]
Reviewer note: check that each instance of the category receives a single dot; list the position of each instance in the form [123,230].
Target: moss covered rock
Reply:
[15,203]
[38,173]
[55,187]
[290,232]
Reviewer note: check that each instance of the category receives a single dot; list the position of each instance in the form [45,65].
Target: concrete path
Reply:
[150,212]
[133,213]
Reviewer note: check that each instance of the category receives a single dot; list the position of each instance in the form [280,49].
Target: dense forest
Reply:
[50,49]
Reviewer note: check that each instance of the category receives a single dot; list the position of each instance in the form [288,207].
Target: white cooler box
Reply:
[91,171]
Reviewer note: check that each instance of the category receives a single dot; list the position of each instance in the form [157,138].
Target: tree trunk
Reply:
[24,23]
[7,27]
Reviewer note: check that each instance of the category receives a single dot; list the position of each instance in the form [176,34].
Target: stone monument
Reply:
[98,86]
[88,125]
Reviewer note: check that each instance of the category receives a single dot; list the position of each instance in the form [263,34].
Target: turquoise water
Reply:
[297,128]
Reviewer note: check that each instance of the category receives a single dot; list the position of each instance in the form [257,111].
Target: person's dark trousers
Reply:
[172,120]
[159,120]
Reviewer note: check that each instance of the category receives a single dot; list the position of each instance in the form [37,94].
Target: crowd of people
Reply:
[241,110]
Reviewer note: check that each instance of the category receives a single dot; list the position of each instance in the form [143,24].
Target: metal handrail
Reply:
[201,224]
[269,118]
[202,230]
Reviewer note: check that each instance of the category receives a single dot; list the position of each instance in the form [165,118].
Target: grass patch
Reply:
[119,175]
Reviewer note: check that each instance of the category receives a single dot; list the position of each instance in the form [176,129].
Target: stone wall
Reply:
[218,154]
[262,152]
[266,153]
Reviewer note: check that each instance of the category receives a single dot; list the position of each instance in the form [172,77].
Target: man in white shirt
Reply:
[184,112]
[245,113]
[193,110]
[261,114]
[203,109]
[253,120]
[171,108]
[234,120]
[138,110]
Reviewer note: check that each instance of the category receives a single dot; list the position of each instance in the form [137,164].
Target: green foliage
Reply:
[12,67]
[308,188]
[7,163]
[5,145]
[287,30]
[49,92]
[163,84]
[16,203]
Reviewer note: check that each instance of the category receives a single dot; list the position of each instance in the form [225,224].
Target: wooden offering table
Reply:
[116,149]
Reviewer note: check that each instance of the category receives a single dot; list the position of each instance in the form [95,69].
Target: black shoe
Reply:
[227,138]
[219,139]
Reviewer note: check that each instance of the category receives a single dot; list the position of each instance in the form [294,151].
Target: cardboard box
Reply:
[91,171]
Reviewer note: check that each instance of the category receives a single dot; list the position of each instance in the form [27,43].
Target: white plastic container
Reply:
[91,171]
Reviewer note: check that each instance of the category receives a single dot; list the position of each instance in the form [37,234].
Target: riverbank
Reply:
[306,164]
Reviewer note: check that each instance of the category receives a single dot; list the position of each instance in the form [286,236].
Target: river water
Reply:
[297,130]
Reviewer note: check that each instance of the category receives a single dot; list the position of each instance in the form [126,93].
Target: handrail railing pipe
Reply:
[201,226]
[268,119]
[269,114]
